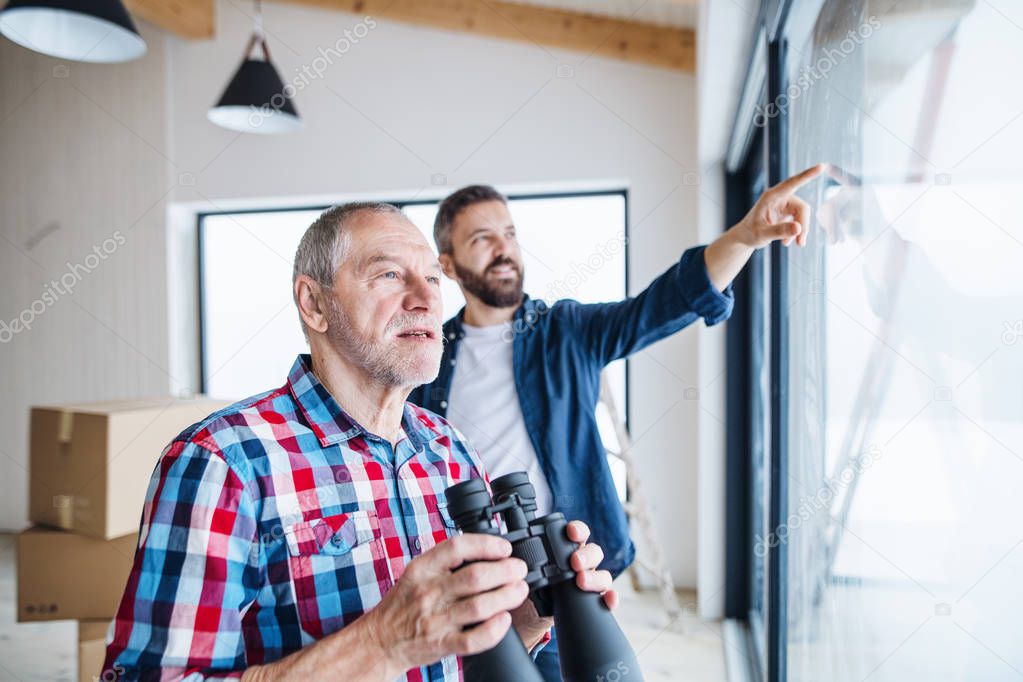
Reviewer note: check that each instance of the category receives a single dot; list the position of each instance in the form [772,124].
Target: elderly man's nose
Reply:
[421,296]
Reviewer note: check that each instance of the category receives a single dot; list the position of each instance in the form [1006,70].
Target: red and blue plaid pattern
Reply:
[275,522]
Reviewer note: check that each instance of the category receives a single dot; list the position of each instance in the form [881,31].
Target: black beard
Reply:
[505,295]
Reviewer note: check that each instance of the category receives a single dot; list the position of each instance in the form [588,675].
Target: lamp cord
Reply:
[258,35]
[258,19]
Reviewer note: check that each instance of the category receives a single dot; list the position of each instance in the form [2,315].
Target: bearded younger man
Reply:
[302,533]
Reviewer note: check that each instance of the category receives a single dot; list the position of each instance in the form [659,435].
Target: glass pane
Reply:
[905,527]
[251,329]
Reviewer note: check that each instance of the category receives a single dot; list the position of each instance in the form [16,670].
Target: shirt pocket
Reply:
[439,525]
[445,518]
[339,569]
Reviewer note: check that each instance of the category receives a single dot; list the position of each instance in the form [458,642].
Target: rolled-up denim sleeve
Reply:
[704,299]
[674,300]
[195,574]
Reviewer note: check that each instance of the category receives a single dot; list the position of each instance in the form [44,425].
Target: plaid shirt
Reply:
[275,522]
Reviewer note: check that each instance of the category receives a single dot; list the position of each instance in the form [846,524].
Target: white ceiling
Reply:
[678,13]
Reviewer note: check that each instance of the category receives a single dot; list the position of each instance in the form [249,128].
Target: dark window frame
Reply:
[745,432]
[764,83]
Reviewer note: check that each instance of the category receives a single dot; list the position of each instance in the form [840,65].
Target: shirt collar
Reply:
[331,423]
[454,329]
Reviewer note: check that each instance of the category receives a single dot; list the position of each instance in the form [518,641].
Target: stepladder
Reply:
[649,557]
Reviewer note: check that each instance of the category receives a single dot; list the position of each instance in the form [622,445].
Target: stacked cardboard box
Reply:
[62,575]
[89,469]
[92,649]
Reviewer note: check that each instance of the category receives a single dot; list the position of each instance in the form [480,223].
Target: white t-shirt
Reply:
[484,405]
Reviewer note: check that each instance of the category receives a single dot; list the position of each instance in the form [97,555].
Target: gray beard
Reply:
[385,363]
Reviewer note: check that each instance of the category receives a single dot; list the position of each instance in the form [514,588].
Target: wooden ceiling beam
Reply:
[189,19]
[664,46]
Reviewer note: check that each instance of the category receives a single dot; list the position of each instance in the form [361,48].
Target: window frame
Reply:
[766,79]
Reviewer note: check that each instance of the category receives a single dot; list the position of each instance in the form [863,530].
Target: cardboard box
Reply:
[92,650]
[62,575]
[89,465]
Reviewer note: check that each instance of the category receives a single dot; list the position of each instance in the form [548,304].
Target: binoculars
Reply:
[591,645]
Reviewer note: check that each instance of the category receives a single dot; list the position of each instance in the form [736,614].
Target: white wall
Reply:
[83,157]
[409,105]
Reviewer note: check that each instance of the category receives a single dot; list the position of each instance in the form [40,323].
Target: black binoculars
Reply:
[591,645]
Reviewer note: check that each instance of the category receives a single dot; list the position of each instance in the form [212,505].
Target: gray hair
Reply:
[326,241]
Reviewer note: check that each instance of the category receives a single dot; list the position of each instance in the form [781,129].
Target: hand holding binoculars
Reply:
[591,645]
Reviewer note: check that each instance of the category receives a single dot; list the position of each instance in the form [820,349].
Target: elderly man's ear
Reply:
[309,296]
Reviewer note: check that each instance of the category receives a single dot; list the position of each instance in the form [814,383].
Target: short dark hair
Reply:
[455,204]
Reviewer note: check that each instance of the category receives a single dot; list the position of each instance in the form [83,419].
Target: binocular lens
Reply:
[518,482]
[466,500]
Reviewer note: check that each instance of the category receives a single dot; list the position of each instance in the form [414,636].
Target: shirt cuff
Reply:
[544,641]
[706,301]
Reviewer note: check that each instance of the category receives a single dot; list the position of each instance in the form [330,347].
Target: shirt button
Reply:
[337,540]
[451,336]
[444,403]
[418,545]
[452,363]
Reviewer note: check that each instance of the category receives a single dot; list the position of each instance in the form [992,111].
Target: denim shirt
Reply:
[559,352]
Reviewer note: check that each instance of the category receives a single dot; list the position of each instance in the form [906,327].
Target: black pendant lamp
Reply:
[256,100]
[79,30]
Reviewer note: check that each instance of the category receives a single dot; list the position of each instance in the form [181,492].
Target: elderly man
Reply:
[302,533]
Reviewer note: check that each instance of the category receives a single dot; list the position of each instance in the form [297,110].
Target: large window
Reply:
[573,246]
[902,538]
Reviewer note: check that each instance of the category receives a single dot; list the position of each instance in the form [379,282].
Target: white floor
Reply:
[689,650]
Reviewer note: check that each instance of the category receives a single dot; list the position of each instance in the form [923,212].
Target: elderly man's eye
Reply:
[433,279]
[390,275]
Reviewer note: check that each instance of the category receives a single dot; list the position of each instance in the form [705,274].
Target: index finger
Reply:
[796,181]
[454,552]
[577,531]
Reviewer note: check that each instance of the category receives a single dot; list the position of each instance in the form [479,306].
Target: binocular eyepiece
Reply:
[591,645]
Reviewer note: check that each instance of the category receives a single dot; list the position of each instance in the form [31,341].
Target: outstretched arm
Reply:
[778,214]
[698,285]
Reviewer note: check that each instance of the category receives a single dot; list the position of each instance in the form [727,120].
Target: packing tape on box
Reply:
[64,504]
[64,425]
